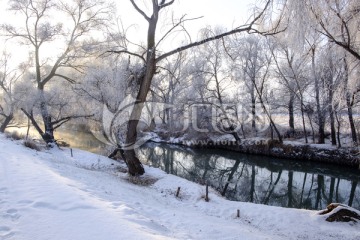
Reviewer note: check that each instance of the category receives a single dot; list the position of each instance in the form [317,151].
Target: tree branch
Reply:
[65,77]
[56,124]
[34,123]
[127,52]
[164,5]
[181,21]
[139,10]
[244,28]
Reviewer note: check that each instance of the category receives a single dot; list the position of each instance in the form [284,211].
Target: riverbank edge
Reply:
[349,156]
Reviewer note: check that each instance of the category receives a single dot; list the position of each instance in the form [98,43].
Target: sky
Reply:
[225,13]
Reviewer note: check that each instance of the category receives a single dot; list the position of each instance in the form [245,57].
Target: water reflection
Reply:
[258,179]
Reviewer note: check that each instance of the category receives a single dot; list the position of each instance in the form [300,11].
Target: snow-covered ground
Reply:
[51,195]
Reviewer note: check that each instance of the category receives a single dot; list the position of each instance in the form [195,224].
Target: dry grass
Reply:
[142,180]
[14,135]
[31,144]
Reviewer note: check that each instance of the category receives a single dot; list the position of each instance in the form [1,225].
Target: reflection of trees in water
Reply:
[246,180]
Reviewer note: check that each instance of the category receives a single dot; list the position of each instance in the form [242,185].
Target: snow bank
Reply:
[51,195]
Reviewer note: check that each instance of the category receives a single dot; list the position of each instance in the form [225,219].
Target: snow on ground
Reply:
[51,195]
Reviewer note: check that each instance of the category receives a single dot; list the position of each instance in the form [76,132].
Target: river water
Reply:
[258,179]
[247,178]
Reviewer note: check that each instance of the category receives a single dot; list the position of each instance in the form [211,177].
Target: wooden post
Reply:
[207,193]
[71,152]
[178,192]
[238,213]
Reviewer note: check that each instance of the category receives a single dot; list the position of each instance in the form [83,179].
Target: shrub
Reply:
[31,144]
[14,135]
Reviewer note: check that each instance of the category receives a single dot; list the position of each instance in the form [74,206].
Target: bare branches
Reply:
[194,44]
[342,35]
[245,28]
[56,124]
[33,121]
[140,11]
[65,77]
[126,52]
[181,21]
[164,5]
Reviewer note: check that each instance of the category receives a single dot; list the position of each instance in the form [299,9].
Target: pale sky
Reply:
[225,13]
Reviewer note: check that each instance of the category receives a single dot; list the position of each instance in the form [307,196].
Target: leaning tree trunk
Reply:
[133,163]
[6,122]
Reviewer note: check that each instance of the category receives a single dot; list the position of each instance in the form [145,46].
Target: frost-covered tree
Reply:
[9,102]
[102,90]
[169,86]
[339,22]
[292,73]
[252,62]
[58,36]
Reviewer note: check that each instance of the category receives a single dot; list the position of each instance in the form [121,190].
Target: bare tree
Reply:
[40,31]
[170,84]
[217,84]
[8,78]
[292,72]
[339,22]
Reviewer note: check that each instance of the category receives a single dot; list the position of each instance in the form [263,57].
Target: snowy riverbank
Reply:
[290,149]
[51,195]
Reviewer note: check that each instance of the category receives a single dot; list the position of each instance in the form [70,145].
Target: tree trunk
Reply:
[253,112]
[302,191]
[303,122]
[331,107]
[320,116]
[332,124]
[320,182]
[338,128]
[48,134]
[332,118]
[231,175]
[351,119]
[332,188]
[352,193]
[252,188]
[133,163]
[290,189]
[6,122]
[291,113]
[348,103]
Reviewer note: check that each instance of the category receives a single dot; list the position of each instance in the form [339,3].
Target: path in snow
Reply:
[38,203]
